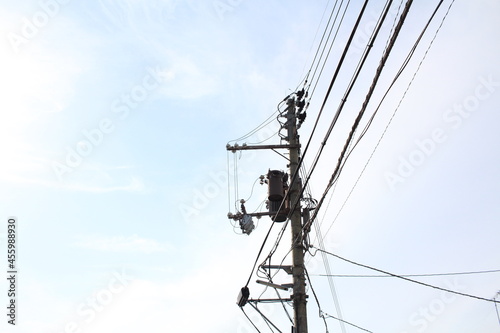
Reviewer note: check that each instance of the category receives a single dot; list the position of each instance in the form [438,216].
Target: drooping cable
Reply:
[397,108]
[317,300]
[496,307]
[320,45]
[250,320]
[344,321]
[410,280]
[324,315]
[414,275]
[348,90]
[330,48]
[265,318]
[255,130]
[363,108]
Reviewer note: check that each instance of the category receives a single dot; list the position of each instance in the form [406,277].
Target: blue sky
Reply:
[114,121]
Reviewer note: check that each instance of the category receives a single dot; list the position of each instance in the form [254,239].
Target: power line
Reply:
[355,125]
[320,45]
[317,300]
[265,318]
[350,86]
[324,314]
[496,307]
[344,321]
[410,55]
[410,280]
[339,110]
[331,46]
[250,320]
[259,127]
[410,275]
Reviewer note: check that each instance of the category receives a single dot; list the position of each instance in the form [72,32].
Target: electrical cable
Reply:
[363,108]
[348,90]
[259,127]
[410,280]
[412,275]
[496,307]
[269,138]
[312,44]
[250,320]
[396,109]
[330,48]
[253,186]
[321,42]
[333,191]
[228,185]
[316,298]
[351,84]
[323,314]
[408,58]
[344,321]
[263,316]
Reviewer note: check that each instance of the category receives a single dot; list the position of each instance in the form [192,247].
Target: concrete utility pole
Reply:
[299,280]
[292,200]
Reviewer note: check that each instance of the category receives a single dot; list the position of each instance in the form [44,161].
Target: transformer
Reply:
[277,188]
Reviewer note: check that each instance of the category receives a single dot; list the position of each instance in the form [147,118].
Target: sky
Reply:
[114,120]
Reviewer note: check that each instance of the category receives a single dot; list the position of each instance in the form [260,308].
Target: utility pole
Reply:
[292,200]
[299,280]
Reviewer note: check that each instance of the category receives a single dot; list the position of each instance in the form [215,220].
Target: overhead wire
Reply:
[344,321]
[341,60]
[266,122]
[351,84]
[331,195]
[496,307]
[408,279]
[408,58]
[410,55]
[321,45]
[250,320]
[313,42]
[348,90]
[316,299]
[330,48]
[355,125]
[323,314]
[414,275]
[295,176]
[265,318]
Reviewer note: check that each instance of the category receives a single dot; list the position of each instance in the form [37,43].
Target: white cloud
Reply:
[127,244]
[203,302]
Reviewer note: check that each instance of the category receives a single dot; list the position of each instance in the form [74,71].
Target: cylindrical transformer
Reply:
[275,215]
[276,186]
